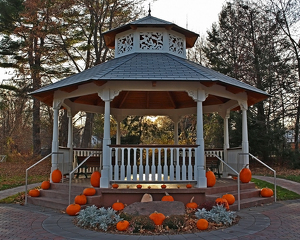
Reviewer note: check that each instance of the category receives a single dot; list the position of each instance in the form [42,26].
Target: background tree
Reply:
[48,40]
[246,44]
[286,13]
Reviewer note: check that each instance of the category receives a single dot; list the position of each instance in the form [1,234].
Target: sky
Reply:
[195,15]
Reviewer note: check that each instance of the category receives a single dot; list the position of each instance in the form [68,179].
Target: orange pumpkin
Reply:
[122,225]
[230,198]
[167,198]
[34,193]
[192,204]
[115,185]
[95,179]
[80,199]
[73,209]
[45,185]
[266,192]
[56,176]
[117,206]
[189,185]
[139,186]
[202,224]
[245,174]
[157,218]
[89,191]
[211,179]
[163,186]
[223,202]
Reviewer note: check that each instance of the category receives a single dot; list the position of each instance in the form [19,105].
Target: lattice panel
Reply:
[151,40]
[125,44]
[175,44]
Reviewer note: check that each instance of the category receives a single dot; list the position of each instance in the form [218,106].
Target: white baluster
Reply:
[153,167]
[116,175]
[165,164]
[128,172]
[183,168]
[122,165]
[159,167]
[190,168]
[141,169]
[195,165]
[172,164]
[147,165]
[134,165]
[177,165]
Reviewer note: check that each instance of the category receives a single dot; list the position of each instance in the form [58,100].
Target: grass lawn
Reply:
[13,173]
[295,178]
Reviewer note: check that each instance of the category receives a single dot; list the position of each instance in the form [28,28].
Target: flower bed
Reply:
[105,220]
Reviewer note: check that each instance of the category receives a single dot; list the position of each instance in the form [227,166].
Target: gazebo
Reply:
[150,75]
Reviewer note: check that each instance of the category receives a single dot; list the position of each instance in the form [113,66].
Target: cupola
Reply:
[150,35]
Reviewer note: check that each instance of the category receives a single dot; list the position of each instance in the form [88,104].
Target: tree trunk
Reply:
[88,131]
[36,128]
[63,132]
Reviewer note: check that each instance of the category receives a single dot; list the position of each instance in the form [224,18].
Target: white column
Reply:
[200,97]
[106,95]
[55,144]
[175,119]
[245,143]
[118,135]
[226,142]
[70,139]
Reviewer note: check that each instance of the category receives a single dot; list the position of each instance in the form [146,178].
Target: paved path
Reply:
[290,185]
[279,220]
[13,191]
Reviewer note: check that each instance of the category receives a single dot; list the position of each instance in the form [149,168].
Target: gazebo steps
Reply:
[251,202]
[57,197]
[248,198]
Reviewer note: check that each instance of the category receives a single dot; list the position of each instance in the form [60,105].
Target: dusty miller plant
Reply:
[217,214]
[100,218]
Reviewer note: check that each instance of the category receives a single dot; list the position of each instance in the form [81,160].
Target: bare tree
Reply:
[287,15]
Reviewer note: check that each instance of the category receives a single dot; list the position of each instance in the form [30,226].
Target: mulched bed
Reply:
[176,224]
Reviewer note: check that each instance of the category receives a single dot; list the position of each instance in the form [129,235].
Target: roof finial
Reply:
[149,11]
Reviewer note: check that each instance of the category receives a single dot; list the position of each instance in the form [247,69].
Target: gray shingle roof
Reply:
[148,67]
[150,21]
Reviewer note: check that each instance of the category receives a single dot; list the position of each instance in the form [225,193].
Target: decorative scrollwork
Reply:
[175,44]
[125,44]
[151,40]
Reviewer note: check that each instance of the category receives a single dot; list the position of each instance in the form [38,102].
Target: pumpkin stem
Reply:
[167,194]
[247,165]
[192,199]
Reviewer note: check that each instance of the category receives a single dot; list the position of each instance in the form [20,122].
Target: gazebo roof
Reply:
[149,22]
[153,67]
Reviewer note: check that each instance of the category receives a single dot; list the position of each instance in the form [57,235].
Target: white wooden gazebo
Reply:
[150,75]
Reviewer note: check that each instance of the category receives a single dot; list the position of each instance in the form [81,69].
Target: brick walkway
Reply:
[280,220]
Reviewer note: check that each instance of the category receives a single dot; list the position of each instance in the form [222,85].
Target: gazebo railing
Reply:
[155,163]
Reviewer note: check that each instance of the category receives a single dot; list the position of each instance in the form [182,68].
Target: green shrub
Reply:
[217,214]
[139,223]
[101,218]
[174,221]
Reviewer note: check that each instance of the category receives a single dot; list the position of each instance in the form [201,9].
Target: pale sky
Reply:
[195,15]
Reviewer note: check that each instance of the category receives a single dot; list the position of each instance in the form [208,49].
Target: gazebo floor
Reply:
[57,196]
